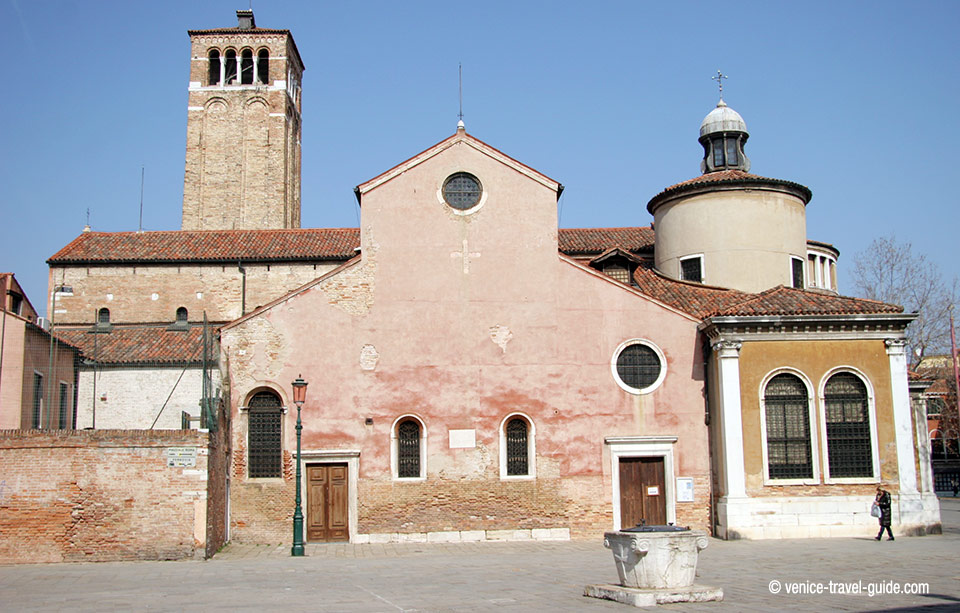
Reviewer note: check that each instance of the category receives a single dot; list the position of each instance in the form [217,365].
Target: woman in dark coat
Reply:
[883,501]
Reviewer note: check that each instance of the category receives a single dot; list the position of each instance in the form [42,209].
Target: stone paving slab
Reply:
[521,576]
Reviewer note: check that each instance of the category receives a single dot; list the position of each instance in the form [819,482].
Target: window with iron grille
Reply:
[787,413]
[797,265]
[408,449]
[691,269]
[619,272]
[264,444]
[517,447]
[462,191]
[849,450]
[638,366]
[37,399]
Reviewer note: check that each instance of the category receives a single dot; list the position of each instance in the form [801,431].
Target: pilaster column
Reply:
[731,421]
[903,426]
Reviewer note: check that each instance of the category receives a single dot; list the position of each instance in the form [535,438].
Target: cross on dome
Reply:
[719,79]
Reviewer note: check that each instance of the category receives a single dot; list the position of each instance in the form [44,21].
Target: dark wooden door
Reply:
[327,502]
[643,496]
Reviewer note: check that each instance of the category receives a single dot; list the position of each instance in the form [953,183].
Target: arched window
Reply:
[264,440]
[787,416]
[230,67]
[246,67]
[263,66]
[518,461]
[214,57]
[408,449]
[103,317]
[847,416]
[182,315]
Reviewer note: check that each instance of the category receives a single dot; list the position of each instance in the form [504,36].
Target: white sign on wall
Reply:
[178,457]
[463,439]
[684,489]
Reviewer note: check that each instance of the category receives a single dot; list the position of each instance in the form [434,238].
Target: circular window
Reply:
[462,191]
[638,366]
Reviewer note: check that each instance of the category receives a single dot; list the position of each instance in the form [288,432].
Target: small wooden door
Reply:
[327,518]
[643,496]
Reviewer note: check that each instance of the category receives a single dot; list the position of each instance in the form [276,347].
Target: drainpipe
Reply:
[3,336]
[243,289]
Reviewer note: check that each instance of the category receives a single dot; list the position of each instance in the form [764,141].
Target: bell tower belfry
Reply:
[243,129]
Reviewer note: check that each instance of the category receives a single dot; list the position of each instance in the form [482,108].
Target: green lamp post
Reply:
[299,396]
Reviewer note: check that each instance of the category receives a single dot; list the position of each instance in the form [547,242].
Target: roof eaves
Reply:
[458,137]
[693,187]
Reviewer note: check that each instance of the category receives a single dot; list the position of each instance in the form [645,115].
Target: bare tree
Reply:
[890,271]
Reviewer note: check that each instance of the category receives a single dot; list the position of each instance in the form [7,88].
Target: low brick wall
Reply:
[102,495]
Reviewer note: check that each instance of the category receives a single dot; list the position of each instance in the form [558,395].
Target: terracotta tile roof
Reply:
[237,30]
[703,301]
[337,244]
[137,345]
[788,301]
[727,177]
[693,298]
[211,246]
[594,241]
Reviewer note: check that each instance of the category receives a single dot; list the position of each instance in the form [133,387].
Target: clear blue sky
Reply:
[856,100]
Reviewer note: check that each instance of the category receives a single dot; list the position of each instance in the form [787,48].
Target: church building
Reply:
[478,373]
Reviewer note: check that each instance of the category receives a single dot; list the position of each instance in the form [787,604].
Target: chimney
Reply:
[245,19]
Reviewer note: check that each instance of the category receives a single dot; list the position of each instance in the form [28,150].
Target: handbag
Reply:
[875,510]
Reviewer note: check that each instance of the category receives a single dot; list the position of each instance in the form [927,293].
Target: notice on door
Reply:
[653,490]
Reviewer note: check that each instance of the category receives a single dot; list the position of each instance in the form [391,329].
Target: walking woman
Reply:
[883,501]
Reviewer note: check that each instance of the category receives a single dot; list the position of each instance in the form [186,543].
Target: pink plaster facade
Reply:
[461,320]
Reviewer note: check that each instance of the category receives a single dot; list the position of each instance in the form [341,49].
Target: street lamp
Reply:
[299,396]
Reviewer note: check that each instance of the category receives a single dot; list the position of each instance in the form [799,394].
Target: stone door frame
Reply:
[334,456]
[643,447]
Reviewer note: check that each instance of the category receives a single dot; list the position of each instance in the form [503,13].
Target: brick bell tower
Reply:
[243,129]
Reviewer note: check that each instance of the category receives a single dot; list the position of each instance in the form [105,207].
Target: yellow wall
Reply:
[815,359]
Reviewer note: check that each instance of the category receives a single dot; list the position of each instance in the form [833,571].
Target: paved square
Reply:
[494,577]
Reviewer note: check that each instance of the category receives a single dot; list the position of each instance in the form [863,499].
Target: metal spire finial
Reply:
[719,79]
[460,114]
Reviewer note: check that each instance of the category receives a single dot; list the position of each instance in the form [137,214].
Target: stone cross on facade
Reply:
[465,254]
[719,79]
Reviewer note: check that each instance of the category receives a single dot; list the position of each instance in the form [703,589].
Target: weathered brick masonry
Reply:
[106,495]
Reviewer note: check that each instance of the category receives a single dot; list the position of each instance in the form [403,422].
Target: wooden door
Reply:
[327,502]
[643,496]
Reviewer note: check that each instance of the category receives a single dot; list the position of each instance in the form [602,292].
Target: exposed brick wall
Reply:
[261,510]
[243,141]
[101,495]
[697,514]
[152,294]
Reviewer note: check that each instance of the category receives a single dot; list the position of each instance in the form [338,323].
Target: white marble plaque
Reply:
[463,439]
